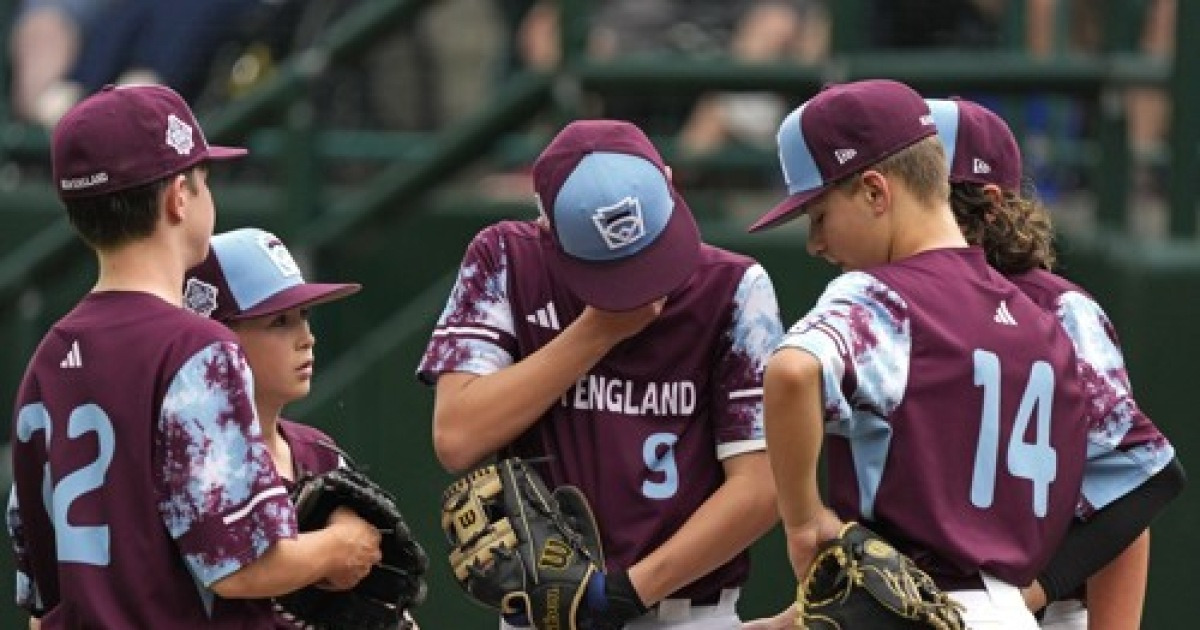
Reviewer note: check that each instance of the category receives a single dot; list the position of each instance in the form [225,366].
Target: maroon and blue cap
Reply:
[980,147]
[623,236]
[842,130]
[124,137]
[250,273]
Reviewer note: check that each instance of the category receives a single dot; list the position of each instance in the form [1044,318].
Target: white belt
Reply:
[673,610]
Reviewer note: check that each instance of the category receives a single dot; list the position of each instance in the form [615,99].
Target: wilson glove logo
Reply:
[555,555]
[552,620]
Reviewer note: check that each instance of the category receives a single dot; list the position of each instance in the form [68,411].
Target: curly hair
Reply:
[1017,235]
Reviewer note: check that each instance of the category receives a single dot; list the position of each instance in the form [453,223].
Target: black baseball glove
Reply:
[381,601]
[858,580]
[529,553]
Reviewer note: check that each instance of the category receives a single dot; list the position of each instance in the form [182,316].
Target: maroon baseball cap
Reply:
[980,147]
[623,236]
[123,137]
[250,273]
[841,131]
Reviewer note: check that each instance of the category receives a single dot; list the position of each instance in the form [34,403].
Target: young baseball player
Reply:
[144,495]
[1131,471]
[607,339]
[940,388]
[250,283]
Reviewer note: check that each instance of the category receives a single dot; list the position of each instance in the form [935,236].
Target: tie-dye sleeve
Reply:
[1125,448]
[475,330]
[27,595]
[219,495]
[754,331]
[860,332]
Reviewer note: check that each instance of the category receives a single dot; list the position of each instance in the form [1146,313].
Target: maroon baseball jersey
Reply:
[1125,448]
[642,433]
[140,474]
[313,452]
[953,407]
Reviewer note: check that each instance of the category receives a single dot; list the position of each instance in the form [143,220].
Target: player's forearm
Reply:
[287,566]
[1117,593]
[474,416]
[795,431]
[729,521]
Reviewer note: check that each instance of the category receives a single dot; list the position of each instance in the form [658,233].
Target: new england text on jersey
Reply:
[593,391]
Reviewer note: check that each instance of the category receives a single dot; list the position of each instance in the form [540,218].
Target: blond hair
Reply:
[922,167]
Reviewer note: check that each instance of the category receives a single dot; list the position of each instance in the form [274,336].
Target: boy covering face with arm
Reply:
[606,338]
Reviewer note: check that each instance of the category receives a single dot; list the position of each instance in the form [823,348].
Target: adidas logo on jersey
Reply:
[978,166]
[74,358]
[1004,316]
[546,317]
[844,155]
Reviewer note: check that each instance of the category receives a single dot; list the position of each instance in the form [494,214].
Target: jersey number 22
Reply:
[85,544]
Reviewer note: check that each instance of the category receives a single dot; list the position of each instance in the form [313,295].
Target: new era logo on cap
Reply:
[844,155]
[980,148]
[840,131]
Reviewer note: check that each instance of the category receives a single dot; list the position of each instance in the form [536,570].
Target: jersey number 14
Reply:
[1036,461]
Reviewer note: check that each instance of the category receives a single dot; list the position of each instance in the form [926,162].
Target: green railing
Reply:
[422,160]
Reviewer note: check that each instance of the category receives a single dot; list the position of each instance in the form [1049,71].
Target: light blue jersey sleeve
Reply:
[1125,448]
[220,498]
[475,331]
[860,333]
[754,331]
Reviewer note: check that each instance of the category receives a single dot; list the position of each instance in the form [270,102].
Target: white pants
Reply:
[997,606]
[1065,615]
[680,614]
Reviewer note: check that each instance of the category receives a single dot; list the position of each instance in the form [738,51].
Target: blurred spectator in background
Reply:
[46,38]
[1147,108]
[1047,123]
[64,50]
[747,30]
[937,23]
